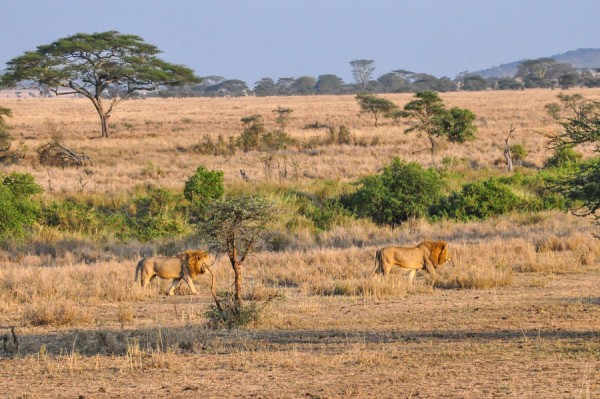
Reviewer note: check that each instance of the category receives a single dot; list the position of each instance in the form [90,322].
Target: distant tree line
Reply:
[537,73]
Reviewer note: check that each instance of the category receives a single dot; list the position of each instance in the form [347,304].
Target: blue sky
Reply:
[252,39]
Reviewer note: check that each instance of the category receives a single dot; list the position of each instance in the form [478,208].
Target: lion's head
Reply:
[439,252]
[196,260]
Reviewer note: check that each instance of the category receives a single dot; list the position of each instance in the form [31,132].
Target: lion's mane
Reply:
[195,260]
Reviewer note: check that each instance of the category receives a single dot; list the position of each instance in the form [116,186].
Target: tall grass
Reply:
[160,134]
[40,290]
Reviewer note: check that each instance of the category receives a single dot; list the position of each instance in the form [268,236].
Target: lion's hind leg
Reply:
[378,266]
[146,279]
[386,267]
[139,273]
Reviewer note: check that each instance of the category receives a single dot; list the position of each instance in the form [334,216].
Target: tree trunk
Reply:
[432,142]
[507,154]
[97,101]
[237,270]
[508,157]
[104,122]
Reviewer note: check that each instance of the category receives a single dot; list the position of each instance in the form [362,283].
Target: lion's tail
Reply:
[138,270]
[378,264]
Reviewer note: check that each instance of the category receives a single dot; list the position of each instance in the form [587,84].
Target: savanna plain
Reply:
[515,313]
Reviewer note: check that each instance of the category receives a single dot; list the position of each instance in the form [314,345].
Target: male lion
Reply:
[186,265]
[427,255]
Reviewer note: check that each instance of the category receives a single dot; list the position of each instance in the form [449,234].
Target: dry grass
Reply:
[515,314]
[153,139]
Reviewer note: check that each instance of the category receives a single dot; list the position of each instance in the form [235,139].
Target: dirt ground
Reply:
[528,340]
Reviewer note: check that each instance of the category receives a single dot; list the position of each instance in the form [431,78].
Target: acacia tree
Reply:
[283,115]
[265,87]
[429,116]
[107,65]
[376,106]
[362,70]
[235,226]
[581,126]
[328,84]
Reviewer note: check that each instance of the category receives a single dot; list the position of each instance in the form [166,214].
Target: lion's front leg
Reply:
[431,269]
[174,285]
[411,276]
[190,284]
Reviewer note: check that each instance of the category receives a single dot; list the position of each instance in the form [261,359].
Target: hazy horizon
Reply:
[256,39]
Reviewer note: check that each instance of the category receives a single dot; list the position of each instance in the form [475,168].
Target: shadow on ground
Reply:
[197,339]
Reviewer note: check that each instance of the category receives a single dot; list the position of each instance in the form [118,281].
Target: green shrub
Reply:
[553,109]
[250,137]
[519,153]
[402,191]
[479,200]
[71,215]
[153,213]
[18,211]
[538,193]
[580,184]
[563,156]
[157,214]
[256,137]
[326,214]
[5,137]
[204,186]
[219,147]
[343,136]
[275,140]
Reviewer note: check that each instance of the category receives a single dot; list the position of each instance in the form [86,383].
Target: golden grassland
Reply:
[153,140]
[516,313]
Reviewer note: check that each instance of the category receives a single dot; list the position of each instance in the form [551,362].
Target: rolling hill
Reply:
[587,58]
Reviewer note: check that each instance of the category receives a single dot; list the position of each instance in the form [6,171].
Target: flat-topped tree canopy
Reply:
[106,65]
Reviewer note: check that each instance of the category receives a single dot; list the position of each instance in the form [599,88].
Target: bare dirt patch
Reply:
[515,341]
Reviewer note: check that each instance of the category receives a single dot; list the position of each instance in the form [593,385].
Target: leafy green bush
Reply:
[324,214]
[402,191]
[254,127]
[153,213]
[204,186]
[479,200]
[275,140]
[72,215]
[5,137]
[580,184]
[537,189]
[18,211]
[519,153]
[256,137]
[157,214]
[563,156]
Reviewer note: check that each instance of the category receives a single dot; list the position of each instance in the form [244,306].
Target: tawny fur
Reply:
[186,265]
[428,255]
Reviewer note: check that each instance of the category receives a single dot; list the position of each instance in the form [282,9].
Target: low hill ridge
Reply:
[583,58]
